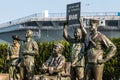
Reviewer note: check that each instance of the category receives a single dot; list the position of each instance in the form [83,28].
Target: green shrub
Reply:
[112,67]
[3,55]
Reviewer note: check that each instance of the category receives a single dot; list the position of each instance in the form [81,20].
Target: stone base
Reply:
[4,76]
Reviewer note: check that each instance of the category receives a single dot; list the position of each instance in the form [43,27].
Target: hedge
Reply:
[3,55]
[111,68]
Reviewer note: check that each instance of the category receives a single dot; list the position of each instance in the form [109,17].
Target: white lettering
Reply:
[72,17]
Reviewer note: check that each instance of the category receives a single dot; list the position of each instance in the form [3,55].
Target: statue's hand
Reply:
[73,65]
[8,58]
[24,52]
[101,61]
[43,70]
[51,70]
[80,20]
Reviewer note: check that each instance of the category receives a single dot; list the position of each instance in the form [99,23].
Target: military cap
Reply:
[59,45]
[94,21]
[15,37]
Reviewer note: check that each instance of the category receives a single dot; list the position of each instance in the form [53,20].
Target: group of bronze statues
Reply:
[21,57]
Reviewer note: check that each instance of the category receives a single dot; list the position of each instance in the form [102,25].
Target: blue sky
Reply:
[14,9]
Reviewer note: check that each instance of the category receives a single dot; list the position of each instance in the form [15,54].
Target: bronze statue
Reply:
[97,44]
[13,57]
[76,53]
[28,50]
[53,68]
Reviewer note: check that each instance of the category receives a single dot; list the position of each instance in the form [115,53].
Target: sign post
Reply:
[73,13]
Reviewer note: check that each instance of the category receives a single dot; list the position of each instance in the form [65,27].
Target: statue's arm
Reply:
[14,56]
[8,54]
[84,32]
[35,48]
[82,52]
[80,55]
[65,33]
[75,60]
[45,65]
[60,66]
[44,68]
[111,47]
[11,54]
[21,52]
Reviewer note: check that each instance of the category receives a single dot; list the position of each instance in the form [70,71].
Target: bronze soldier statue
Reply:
[53,68]
[97,44]
[28,50]
[76,53]
[13,57]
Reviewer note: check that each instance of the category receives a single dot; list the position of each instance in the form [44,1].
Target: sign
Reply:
[73,13]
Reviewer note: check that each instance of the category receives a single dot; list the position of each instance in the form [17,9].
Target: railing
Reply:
[99,13]
[54,15]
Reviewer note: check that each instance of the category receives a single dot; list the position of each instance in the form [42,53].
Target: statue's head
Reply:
[29,33]
[15,38]
[58,48]
[77,33]
[93,25]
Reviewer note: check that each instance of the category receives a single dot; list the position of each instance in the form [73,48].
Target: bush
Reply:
[112,67]
[3,56]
